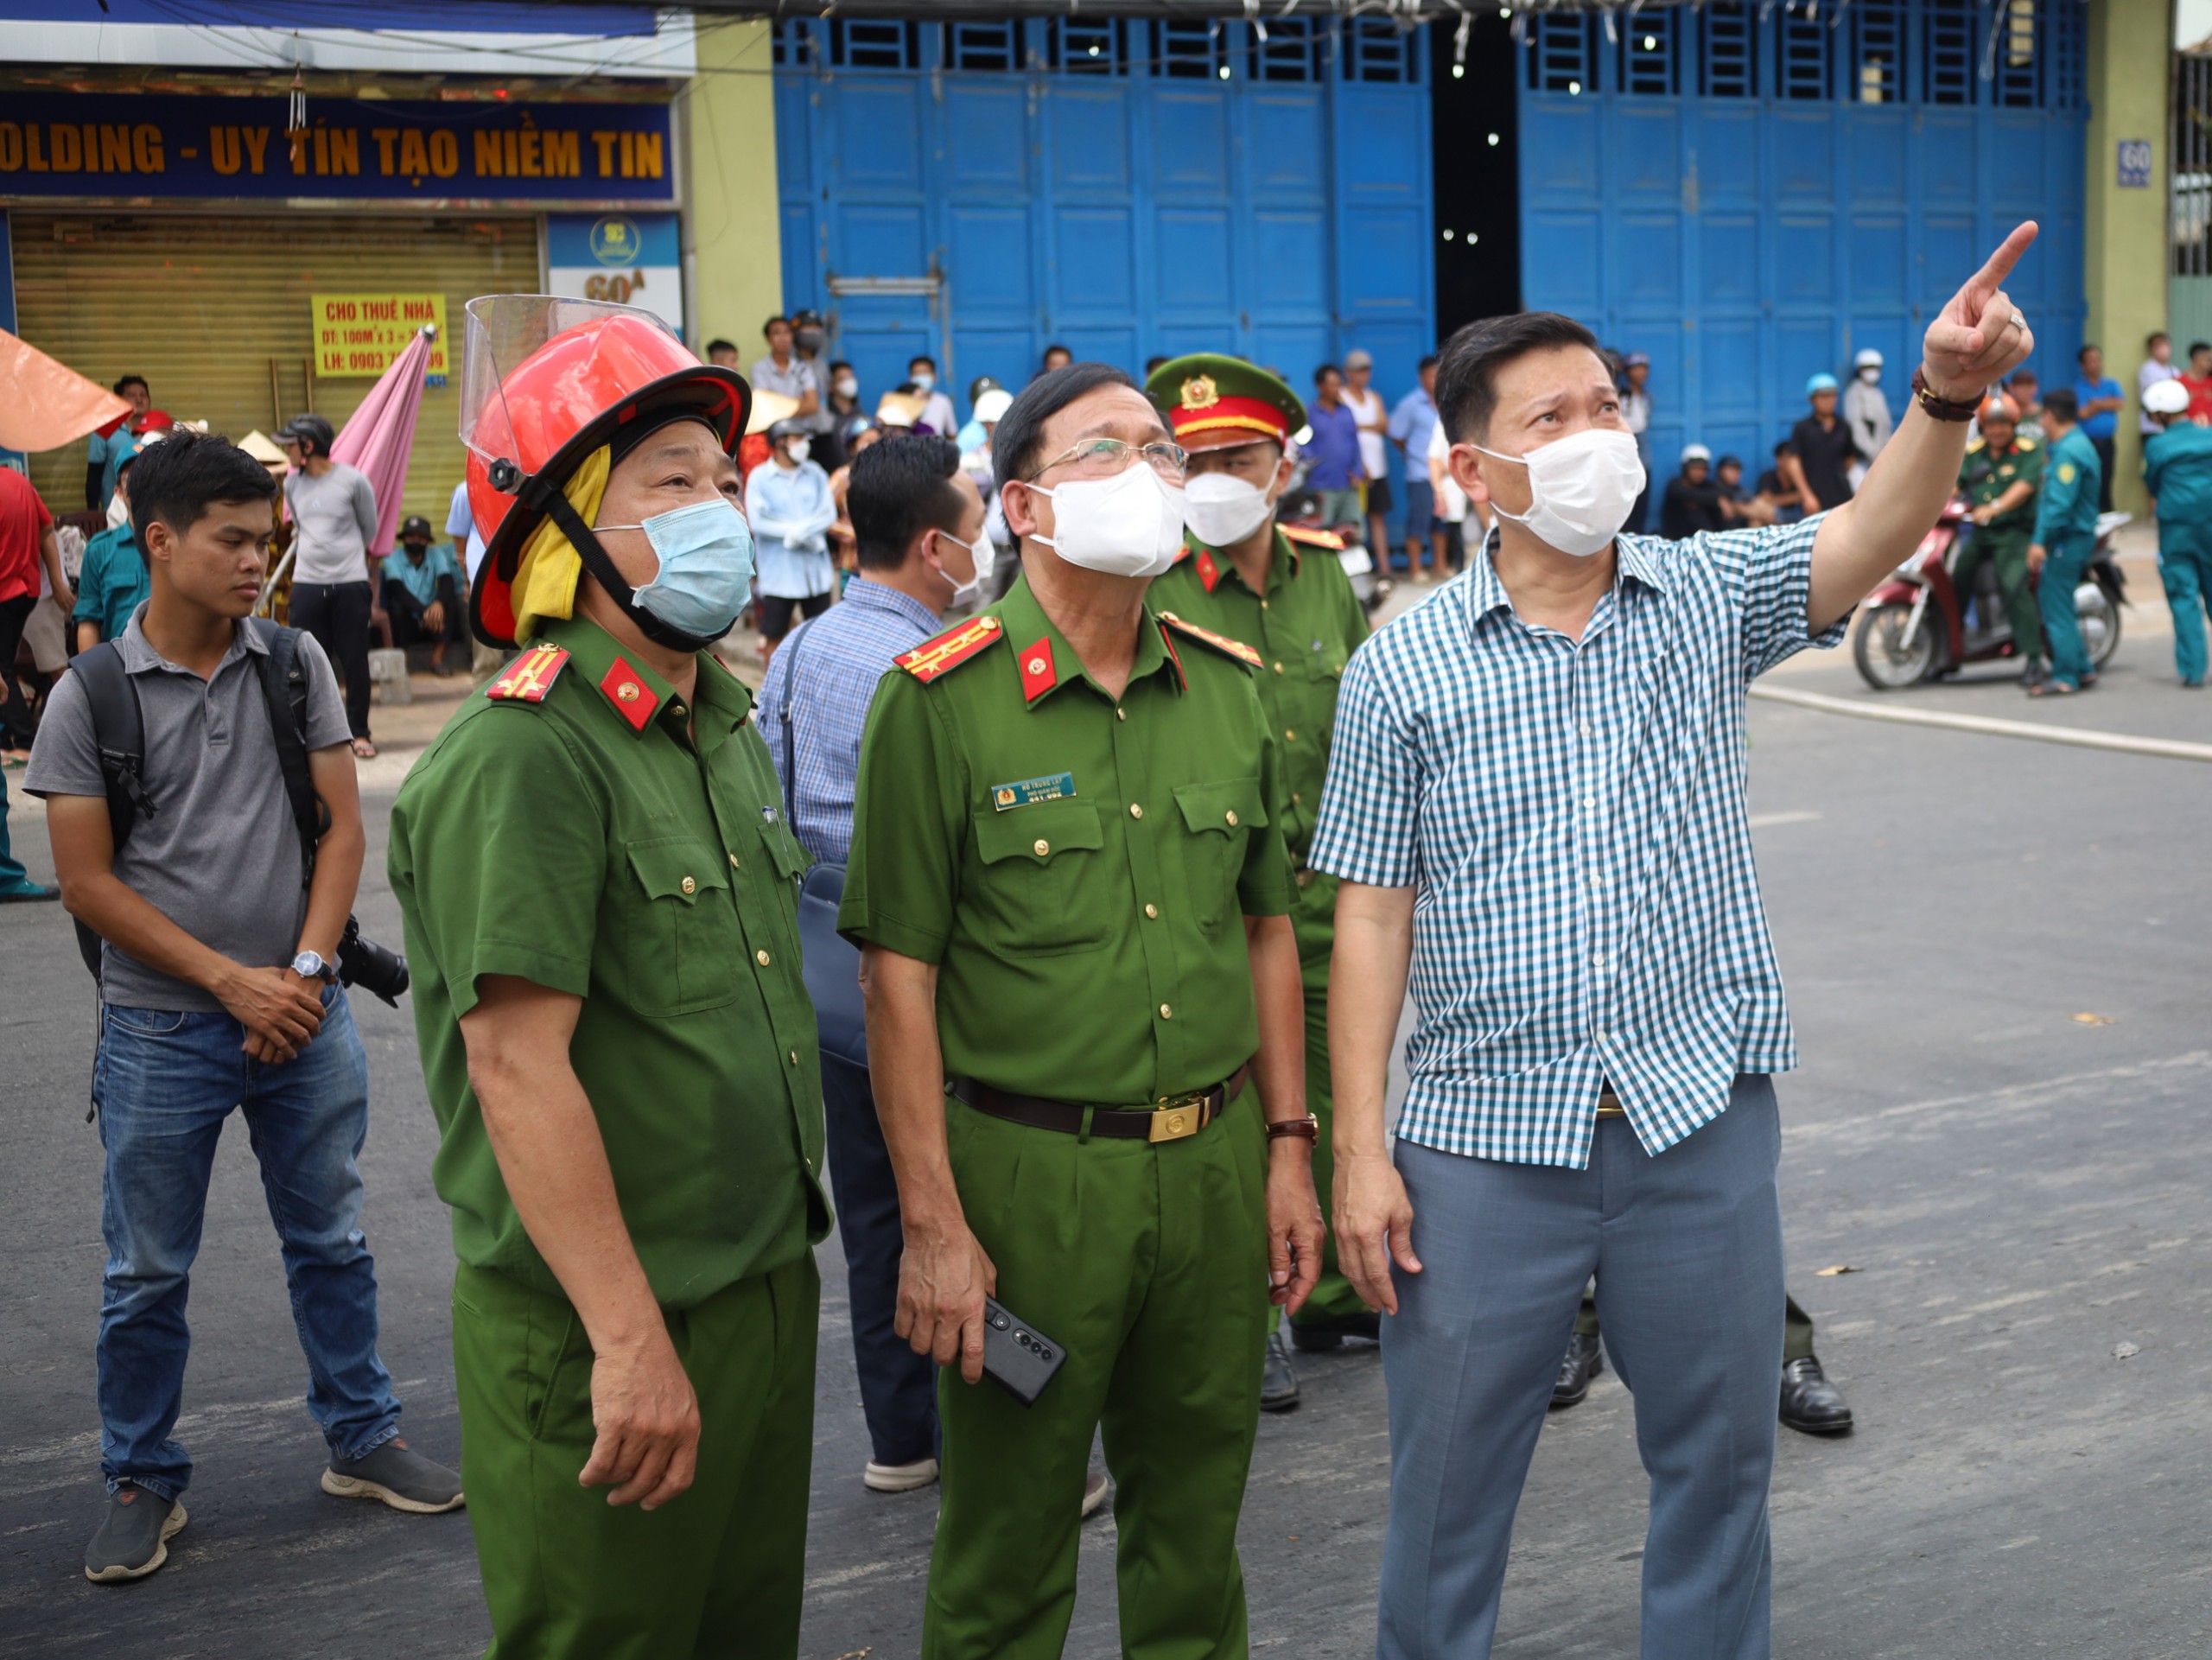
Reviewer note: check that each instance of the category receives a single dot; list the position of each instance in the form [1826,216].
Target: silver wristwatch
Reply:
[310,965]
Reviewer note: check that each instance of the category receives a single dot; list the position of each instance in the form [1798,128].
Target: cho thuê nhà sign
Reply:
[360,334]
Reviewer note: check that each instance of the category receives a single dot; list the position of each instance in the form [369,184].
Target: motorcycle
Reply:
[1301,510]
[1918,627]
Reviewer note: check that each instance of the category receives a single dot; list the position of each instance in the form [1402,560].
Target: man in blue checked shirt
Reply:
[919,523]
[1550,758]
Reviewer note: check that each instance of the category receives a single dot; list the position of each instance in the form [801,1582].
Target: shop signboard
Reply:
[152,146]
[630,259]
[359,335]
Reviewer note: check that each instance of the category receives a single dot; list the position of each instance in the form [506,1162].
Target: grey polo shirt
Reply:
[220,854]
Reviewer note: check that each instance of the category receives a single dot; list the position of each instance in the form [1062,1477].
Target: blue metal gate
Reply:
[1752,192]
[977,191]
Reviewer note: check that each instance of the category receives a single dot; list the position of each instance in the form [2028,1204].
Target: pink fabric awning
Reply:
[379,436]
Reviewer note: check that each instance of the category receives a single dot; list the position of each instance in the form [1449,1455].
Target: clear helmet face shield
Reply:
[505,331]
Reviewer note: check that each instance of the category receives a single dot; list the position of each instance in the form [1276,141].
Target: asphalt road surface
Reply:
[1998,954]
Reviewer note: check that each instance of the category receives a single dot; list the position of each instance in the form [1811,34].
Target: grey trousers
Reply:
[1687,1248]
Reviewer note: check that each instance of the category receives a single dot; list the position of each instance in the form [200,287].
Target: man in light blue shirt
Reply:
[1412,424]
[426,596]
[788,503]
[918,523]
[1549,758]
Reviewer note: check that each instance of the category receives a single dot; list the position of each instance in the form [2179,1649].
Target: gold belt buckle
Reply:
[1186,1117]
[1609,1106]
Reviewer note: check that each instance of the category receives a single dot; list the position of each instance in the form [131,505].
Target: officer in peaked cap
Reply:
[1282,590]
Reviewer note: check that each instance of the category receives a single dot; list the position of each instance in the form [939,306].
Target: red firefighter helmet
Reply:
[546,382]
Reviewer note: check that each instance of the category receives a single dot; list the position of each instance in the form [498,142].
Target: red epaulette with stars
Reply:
[1222,643]
[950,649]
[1312,536]
[529,677]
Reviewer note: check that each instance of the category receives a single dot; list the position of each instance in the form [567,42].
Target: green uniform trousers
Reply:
[1797,1328]
[1138,1260]
[2008,550]
[1333,1299]
[721,1569]
[2185,569]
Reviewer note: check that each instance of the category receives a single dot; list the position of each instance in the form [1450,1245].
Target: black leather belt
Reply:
[1171,1121]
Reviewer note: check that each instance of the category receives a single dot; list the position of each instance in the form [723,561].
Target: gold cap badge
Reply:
[1200,393]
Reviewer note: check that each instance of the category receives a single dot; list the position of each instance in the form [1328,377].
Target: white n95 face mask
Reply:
[1130,525]
[985,553]
[1224,509]
[1581,490]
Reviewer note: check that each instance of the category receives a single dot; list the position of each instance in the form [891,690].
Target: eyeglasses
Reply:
[1102,458]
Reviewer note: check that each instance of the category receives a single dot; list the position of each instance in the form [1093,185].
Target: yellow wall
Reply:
[732,226]
[2124,231]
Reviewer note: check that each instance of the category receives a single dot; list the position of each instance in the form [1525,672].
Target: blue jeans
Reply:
[12,873]
[2064,566]
[1687,1247]
[897,1386]
[165,1081]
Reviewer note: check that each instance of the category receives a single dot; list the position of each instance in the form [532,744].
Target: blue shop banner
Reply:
[128,145]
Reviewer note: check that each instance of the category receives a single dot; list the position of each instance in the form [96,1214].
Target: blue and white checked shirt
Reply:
[840,659]
[1573,816]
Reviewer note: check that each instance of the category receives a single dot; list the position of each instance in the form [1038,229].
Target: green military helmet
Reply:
[1213,401]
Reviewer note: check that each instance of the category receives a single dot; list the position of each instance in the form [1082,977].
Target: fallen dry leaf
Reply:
[2087,1018]
[1830,1273]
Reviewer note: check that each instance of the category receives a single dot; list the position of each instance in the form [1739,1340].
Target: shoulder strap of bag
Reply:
[284,685]
[783,723]
[119,735]
[120,731]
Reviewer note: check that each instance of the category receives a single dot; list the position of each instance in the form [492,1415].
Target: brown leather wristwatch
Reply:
[1309,1127]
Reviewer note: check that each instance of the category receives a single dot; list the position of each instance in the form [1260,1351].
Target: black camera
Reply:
[363,962]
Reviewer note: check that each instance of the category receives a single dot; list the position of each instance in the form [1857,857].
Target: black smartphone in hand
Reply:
[1021,1358]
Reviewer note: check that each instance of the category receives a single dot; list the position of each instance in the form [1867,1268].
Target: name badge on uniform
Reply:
[1059,785]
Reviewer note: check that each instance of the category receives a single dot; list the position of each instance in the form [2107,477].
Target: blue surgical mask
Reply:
[924,382]
[706,567]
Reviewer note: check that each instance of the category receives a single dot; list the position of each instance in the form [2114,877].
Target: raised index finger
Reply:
[1992,275]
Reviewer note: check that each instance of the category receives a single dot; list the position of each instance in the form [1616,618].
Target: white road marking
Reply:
[2040,732]
[1768,820]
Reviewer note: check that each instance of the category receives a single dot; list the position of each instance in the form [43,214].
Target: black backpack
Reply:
[119,730]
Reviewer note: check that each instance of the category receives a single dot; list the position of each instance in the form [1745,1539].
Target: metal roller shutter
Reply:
[213,311]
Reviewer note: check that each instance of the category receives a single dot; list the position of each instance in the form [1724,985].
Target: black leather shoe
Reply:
[1585,1359]
[1318,1336]
[1809,1403]
[1278,1383]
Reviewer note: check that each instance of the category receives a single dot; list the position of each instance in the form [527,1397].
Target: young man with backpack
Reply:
[171,759]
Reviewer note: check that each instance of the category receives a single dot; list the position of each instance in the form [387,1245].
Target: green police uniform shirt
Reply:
[2066,511]
[1305,627]
[566,828]
[2178,468]
[1986,474]
[1077,868]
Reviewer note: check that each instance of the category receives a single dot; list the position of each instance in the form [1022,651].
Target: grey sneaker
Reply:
[134,1536]
[398,1475]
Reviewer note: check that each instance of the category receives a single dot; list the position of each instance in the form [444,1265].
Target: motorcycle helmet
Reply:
[1822,382]
[545,384]
[1867,358]
[1998,407]
[2165,397]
